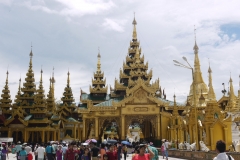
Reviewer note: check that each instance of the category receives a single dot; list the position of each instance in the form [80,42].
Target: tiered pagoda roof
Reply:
[5,101]
[133,69]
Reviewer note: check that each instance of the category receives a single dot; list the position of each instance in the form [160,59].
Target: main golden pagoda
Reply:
[134,104]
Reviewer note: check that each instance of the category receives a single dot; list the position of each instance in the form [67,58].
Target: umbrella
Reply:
[94,140]
[112,141]
[84,144]
[126,143]
[88,141]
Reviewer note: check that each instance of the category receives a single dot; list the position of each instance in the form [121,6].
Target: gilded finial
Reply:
[239,82]
[134,35]
[68,79]
[99,61]
[53,79]
[31,54]
[230,78]
[195,37]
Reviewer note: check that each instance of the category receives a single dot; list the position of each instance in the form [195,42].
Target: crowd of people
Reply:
[78,151]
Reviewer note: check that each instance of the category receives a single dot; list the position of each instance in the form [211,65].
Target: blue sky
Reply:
[66,34]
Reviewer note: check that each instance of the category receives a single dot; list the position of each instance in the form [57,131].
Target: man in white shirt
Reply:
[28,148]
[220,148]
[40,152]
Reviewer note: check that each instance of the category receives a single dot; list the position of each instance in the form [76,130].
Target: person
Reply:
[40,151]
[105,157]
[54,146]
[162,150]
[119,151]
[81,152]
[59,153]
[85,155]
[112,155]
[28,148]
[70,153]
[49,150]
[34,150]
[220,148]
[124,150]
[4,154]
[18,148]
[23,154]
[94,151]
[64,148]
[30,156]
[154,150]
[102,151]
[142,155]
[165,148]
[135,151]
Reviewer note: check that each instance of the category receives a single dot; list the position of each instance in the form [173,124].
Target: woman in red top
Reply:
[30,156]
[112,155]
[142,155]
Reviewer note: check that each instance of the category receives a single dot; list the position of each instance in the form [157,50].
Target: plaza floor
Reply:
[13,157]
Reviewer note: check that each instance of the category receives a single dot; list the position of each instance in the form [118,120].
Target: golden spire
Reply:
[40,85]
[19,88]
[68,79]
[211,94]
[231,92]
[175,110]
[31,55]
[7,78]
[99,61]
[53,81]
[197,69]
[134,35]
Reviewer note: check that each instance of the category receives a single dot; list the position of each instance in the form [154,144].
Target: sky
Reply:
[66,35]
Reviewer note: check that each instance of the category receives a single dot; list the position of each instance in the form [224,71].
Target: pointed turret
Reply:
[68,95]
[133,69]
[211,93]
[39,106]
[175,110]
[50,99]
[17,97]
[239,96]
[231,106]
[200,84]
[134,35]
[5,101]
[98,90]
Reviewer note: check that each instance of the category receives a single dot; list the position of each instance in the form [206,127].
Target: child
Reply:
[162,150]
[30,156]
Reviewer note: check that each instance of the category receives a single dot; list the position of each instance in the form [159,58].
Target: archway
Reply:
[109,129]
[141,128]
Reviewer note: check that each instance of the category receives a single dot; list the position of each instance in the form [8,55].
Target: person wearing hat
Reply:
[18,148]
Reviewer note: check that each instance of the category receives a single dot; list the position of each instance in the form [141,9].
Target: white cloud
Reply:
[165,30]
[116,25]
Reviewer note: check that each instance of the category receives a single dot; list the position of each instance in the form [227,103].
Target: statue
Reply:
[187,145]
[180,146]
[237,147]
[204,136]
[203,146]
[193,146]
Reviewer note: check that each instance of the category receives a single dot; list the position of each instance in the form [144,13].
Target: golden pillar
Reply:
[84,129]
[59,132]
[201,131]
[43,136]
[123,136]
[79,134]
[9,133]
[54,135]
[211,135]
[158,128]
[74,131]
[96,128]
[48,135]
